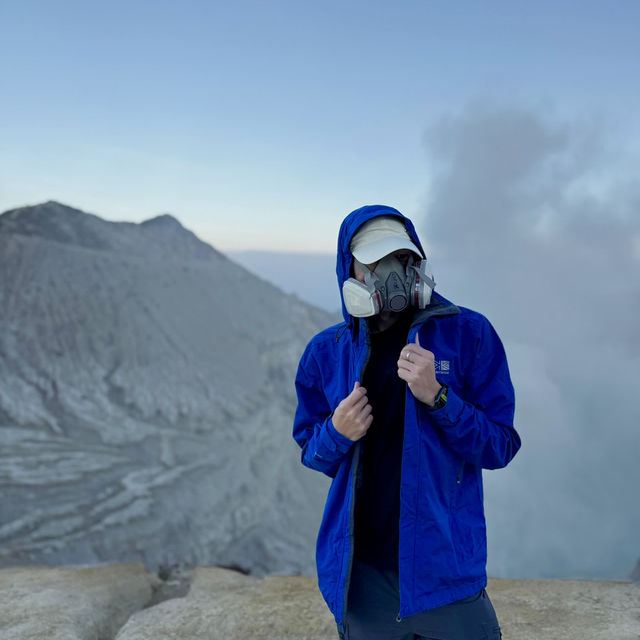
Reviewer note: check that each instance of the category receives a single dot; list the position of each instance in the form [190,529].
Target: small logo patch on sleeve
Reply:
[442,366]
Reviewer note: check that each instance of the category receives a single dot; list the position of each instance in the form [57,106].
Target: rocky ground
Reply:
[125,602]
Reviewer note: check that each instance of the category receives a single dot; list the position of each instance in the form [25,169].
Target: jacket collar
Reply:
[439,306]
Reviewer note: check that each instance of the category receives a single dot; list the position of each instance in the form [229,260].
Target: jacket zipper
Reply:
[354,476]
[398,618]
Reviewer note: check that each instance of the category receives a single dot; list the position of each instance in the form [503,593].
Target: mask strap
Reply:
[421,270]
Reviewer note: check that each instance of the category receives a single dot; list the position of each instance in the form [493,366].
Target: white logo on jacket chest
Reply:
[442,366]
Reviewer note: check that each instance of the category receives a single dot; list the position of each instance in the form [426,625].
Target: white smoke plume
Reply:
[535,222]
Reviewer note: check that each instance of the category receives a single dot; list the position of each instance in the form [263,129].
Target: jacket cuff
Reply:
[448,415]
[341,443]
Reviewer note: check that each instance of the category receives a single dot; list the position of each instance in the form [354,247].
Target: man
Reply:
[403,404]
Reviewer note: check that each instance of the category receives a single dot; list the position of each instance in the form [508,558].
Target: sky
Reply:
[509,132]
[259,125]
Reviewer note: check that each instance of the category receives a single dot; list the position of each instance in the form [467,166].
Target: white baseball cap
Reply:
[379,237]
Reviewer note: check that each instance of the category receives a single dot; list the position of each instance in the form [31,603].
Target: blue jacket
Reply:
[442,539]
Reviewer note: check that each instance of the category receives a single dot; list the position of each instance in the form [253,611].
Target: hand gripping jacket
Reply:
[442,539]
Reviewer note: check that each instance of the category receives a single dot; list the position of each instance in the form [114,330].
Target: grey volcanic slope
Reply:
[146,400]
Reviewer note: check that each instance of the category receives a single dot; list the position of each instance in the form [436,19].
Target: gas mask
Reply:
[389,287]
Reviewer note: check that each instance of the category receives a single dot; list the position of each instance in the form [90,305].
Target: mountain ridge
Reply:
[147,400]
[62,223]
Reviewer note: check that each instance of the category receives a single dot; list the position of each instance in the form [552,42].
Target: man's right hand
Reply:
[352,417]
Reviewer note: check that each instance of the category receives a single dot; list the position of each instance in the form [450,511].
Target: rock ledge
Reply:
[124,602]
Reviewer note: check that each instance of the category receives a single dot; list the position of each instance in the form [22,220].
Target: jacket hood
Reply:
[349,226]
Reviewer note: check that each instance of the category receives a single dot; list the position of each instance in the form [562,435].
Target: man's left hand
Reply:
[416,367]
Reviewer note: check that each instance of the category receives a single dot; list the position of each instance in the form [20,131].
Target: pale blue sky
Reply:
[261,124]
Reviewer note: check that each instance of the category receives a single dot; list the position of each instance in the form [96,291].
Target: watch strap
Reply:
[441,398]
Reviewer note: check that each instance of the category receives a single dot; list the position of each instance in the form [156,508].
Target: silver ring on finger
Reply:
[407,355]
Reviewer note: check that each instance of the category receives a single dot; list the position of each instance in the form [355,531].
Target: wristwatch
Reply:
[441,398]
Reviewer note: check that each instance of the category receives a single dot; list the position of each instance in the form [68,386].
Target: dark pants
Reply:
[374,602]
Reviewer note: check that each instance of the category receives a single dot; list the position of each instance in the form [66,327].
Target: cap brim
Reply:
[376,250]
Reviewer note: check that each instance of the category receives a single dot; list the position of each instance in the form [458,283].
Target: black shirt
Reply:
[377,509]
